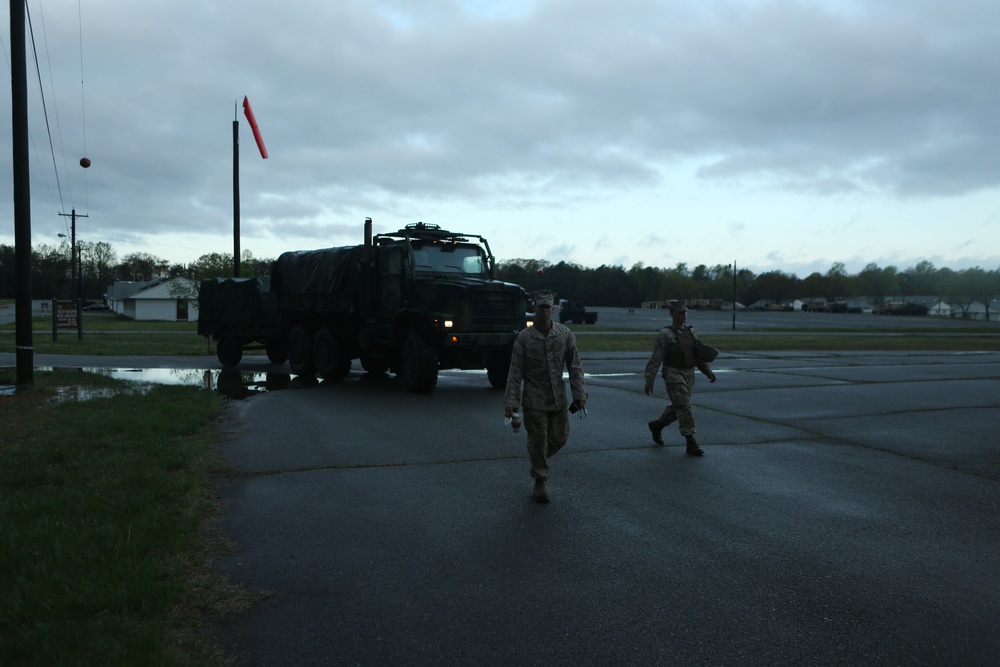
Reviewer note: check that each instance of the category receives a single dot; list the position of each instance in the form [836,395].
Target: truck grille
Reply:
[494,309]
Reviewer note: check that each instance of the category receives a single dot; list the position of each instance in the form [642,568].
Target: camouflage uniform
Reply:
[674,348]
[538,360]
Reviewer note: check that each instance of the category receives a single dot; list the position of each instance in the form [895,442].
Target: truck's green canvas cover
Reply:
[243,303]
[318,280]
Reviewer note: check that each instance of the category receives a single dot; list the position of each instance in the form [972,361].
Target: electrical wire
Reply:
[45,110]
[83,105]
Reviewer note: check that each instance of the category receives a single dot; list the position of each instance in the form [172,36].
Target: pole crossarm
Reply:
[76,262]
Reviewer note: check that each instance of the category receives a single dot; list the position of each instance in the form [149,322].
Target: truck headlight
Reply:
[448,324]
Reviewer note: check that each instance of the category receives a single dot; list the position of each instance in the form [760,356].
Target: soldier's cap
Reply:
[545,298]
[678,307]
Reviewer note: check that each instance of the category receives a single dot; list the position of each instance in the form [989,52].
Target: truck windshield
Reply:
[448,258]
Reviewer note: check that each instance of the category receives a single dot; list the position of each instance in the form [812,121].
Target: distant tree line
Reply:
[53,275]
[616,286]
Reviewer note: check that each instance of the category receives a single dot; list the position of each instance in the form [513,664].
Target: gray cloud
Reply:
[383,104]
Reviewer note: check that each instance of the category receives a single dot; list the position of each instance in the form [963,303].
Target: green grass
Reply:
[100,546]
[802,342]
[108,334]
[110,344]
[107,321]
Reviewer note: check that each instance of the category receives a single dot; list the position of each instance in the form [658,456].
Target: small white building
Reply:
[163,299]
[976,310]
[938,308]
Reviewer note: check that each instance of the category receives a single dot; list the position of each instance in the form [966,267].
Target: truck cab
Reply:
[438,306]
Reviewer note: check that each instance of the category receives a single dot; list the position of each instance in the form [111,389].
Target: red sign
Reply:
[66,314]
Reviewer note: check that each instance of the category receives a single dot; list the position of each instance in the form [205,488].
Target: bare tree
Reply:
[976,284]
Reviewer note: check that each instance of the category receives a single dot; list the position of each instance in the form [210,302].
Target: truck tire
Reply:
[328,357]
[497,367]
[229,349]
[420,364]
[300,357]
[275,348]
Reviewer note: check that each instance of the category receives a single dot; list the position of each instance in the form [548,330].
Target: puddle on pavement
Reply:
[229,382]
[232,383]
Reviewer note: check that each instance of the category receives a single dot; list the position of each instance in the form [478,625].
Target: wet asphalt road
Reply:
[847,511]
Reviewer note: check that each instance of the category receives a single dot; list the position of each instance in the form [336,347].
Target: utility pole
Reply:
[76,262]
[23,345]
[236,198]
[248,112]
[734,295]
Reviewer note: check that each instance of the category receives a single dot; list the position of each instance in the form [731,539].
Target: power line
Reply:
[45,111]
[83,103]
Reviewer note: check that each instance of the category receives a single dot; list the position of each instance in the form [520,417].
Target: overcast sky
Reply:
[781,135]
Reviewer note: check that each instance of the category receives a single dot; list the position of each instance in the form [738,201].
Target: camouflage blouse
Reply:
[538,360]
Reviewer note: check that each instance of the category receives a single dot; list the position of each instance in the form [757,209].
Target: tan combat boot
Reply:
[540,494]
[656,428]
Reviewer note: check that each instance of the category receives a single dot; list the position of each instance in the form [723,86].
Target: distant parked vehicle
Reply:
[573,311]
[96,307]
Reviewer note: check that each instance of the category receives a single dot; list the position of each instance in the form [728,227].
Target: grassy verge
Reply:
[168,344]
[106,321]
[801,342]
[107,334]
[101,514]
[108,344]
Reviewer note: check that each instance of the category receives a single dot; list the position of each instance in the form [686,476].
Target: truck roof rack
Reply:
[425,231]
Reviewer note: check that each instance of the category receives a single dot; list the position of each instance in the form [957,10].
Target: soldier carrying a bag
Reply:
[678,349]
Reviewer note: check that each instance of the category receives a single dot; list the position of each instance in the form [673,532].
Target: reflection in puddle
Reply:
[239,384]
[76,393]
[229,382]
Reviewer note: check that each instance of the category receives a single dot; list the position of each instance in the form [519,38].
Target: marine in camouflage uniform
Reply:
[539,355]
[674,349]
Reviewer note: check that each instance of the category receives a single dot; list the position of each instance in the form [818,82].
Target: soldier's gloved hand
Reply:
[711,376]
[649,387]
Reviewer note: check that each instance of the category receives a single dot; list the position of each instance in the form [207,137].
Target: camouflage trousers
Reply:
[547,433]
[680,382]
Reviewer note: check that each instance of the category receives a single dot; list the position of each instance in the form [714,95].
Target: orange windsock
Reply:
[253,126]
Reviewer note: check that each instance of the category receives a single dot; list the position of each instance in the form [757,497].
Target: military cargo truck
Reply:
[412,302]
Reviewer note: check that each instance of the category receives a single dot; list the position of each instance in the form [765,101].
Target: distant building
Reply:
[162,299]
[935,306]
[977,310]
